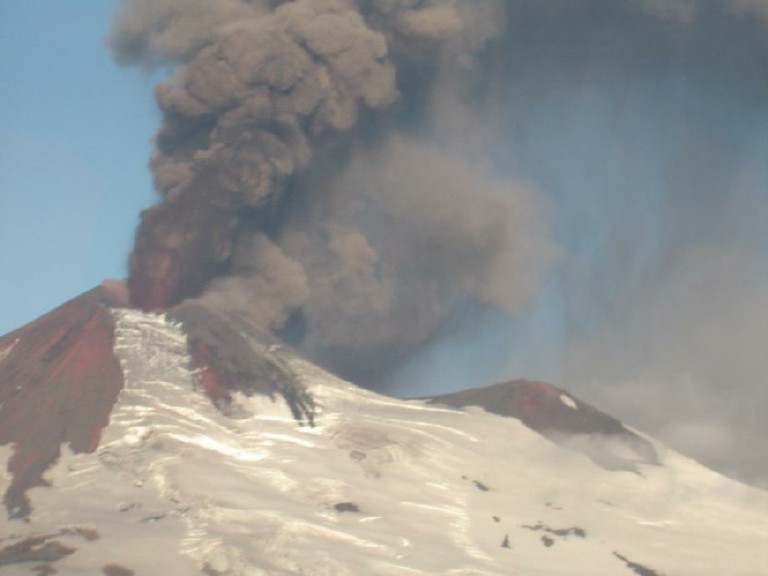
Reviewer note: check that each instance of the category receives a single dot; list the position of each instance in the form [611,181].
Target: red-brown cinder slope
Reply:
[59,380]
[557,415]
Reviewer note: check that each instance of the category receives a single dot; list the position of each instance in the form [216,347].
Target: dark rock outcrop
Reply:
[115,570]
[638,569]
[347,507]
[42,549]
[558,416]
[232,355]
[559,532]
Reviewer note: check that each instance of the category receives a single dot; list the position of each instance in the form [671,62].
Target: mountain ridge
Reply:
[281,468]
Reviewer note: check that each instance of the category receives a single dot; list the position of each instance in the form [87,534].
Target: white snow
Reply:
[5,353]
[568,401]
[176,486]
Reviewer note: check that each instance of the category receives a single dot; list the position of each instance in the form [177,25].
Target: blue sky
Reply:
[74,143]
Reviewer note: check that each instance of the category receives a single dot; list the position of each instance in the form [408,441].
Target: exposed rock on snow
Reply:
[232,355]
[638,569]
[561,418]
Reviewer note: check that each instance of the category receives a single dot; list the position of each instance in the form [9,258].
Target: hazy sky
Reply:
[74,141]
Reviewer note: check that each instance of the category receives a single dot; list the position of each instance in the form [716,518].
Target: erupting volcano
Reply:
[342,204]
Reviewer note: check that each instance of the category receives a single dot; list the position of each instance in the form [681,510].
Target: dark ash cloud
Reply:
[275,202]
[354,174]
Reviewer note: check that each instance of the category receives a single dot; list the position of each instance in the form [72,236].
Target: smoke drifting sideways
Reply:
[425,195]
[303,182]
[647,125]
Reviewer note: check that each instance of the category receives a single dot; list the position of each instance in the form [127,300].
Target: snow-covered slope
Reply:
[377,487]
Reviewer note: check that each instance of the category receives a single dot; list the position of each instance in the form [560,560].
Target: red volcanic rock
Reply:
[231,356]
[58,382]
[555,414]
[179,247]
[538,405]
[59,379]
[216,382]
[118,290]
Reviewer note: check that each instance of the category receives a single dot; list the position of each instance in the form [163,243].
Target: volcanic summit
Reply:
[348,188]
[197,435]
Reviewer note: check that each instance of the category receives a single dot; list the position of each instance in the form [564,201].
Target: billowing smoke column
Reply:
[353,175]
[301,180]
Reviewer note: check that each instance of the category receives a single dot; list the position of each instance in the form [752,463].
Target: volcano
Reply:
[191,442]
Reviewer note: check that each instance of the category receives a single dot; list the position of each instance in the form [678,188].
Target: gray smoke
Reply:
[685,11]
[375,168]
[438,229]
[664,286]
[315,122]
[647,125]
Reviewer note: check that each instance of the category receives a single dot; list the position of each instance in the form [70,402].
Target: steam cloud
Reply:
[353,174]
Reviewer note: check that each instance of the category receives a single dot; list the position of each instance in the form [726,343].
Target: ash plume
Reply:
[457,191]
[646,123]
[301,179]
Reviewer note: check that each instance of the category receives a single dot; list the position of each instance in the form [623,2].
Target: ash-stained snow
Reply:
[378,487]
